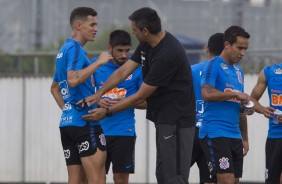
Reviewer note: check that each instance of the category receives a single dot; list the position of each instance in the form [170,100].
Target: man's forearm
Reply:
[243,126]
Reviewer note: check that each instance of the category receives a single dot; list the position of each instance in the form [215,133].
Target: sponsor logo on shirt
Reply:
[59,55]
[84,146]
[232,90]
[64,89]
[240,78]
[115,93]
[67,107]
[224,66]
[67,119]
[276,99]
[278,71]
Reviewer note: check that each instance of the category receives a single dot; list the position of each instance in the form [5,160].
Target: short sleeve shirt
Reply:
[121,123]
[166,66]
[72,56]
[221,119]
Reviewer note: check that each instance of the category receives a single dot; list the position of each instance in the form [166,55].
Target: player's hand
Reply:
[104,102]
[108,102]
[89,101]
[104,58]
[250,111]
[245,147]
[268,112]
[243,97]
[95,114]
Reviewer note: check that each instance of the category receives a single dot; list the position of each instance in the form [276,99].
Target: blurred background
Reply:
[31,32]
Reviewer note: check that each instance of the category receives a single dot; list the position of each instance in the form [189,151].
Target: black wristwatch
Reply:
[108,112]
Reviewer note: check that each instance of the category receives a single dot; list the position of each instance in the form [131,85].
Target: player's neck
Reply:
[78,38]
[225,57]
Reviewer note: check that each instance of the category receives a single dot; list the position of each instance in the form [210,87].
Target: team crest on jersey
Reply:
[278,71]
[224,66]
[240,78]
[224,163]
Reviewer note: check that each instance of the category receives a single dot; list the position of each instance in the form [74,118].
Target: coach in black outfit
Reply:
[168,90]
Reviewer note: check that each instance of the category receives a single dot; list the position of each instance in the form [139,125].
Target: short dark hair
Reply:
[147,18]
[216,43]
[119,37]
[81,13]
[231,34]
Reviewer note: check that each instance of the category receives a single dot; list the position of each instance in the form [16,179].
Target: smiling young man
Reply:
[83,141]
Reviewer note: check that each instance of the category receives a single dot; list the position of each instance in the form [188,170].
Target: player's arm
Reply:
[140,96]
[56,92]
[244,132]
[209,93]
[76,77]
[258,91]
[117,77]
[256,94]
[142,105]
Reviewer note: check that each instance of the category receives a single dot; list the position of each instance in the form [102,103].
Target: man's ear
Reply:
[77,25]
[226,44]
[145,31]
[110,48]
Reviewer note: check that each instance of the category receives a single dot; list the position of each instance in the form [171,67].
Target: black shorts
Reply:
[225,155]
[273,154]
[198,157]
[121,153]
[80,142]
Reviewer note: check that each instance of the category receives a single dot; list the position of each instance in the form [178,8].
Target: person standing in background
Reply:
[222,87]
[83,141]
[119,129]
[168,90]
[271,78]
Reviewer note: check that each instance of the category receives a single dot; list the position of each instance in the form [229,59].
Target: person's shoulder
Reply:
[69,45]
[275,68]
[216,61]
[138,70]
[199,65]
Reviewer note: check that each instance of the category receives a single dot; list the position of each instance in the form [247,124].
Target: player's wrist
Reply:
[108,112]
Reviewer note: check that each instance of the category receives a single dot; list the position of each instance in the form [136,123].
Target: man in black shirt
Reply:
[168,90]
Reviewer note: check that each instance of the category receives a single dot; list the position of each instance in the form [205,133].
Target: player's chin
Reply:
[91,39]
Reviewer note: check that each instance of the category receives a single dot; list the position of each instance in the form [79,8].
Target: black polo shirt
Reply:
[166,66]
